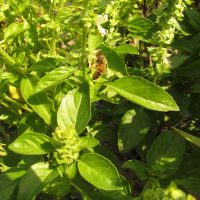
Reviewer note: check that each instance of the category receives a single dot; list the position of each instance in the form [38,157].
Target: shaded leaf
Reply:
[188,137]
[190,183]
[138,167]
[165,154]
[9,181]
[133,127]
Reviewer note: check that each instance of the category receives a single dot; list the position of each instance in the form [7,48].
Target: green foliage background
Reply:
[99,99]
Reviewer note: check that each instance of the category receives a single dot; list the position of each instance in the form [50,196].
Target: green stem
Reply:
[5,135]
[84,41]
[79,189]
[9,60]
[53,40]
[8,99]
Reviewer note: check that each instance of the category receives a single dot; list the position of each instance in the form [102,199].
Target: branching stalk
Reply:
[8,99]
[84,41]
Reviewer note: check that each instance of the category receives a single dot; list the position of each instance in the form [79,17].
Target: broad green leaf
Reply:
[9,181]
[110,95]
[114,61]
[191,71]
[132,129]
[140,27]
[190,183]
[60,187]
[31,143]
[36,178]
[165,154]
[88,142]
[195,88]
[44,65]
[126,49]
[144,93]
[94,40]
[182,44]
[138,167]
[92,193]
[99,171]
[53,78]
[40,103]
[75,109]
[193,139]
[15,29]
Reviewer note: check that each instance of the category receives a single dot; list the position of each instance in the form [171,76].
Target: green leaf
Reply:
[75,109]
[138,167]
[9,181]
[182,44]
[190,183]
[15,29]
[126,49]
[88,142]
[191,71]
[99,171]
[195,88]
[165,154]
[94,41]
[114,61]
[40,103]
[144,93]
[53,78]
[92,193]
[188,137]
[140,26]
[36,178]
[132,129]
[31,143]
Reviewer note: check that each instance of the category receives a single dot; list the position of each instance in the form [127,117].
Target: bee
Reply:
[100,65]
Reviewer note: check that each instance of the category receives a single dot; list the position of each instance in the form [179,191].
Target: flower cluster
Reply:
[67,146]
[168,15]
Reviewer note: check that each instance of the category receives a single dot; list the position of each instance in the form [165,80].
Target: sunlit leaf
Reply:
[36,178]
[114,61]
[144,93]
[31,143]
[99,171]
[75,109]
[53,78]
[40,103]
[193,139]
[15,29]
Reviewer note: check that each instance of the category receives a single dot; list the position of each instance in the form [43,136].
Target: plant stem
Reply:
[9,60]
[8,99]
[5,135]
[84,41]
[53,39]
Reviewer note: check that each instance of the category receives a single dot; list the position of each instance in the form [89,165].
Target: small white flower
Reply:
[102,30]
[100,19]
